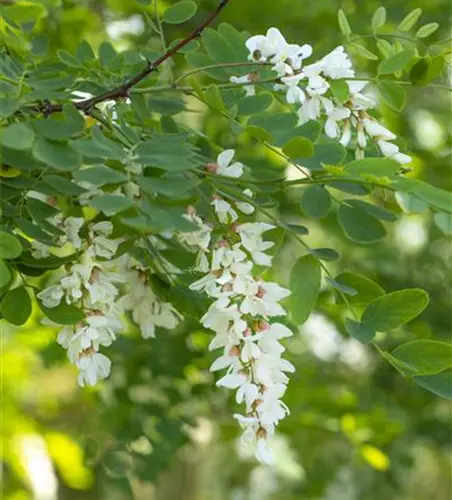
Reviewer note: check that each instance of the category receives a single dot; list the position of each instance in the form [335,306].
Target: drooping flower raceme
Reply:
[243,315]
[312,88]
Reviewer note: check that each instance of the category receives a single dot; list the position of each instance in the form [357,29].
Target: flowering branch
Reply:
[123,90]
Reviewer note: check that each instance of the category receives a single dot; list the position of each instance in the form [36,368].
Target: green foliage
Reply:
[305,280]
[138,160]
[395,309]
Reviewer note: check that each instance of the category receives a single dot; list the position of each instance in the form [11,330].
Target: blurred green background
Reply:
[158,429]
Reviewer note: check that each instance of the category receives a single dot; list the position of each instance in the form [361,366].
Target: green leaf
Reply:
[5,274]
[374,210]
[16,306]
[212,97]
[427,30]
[444,222]
[10,246]
[378,19]
[34,231]
[440,384]
[331,153]
[325,253]
[63,185]
[57,130]
[366,289]
[358,225]
[66,58]
[305,281]
[100,175]
[254,104]
[57,155]
[298,147]
[393,94]
[425,357]
[63,314]
[397,62]
[166,105]
[344,289]
[218,48]
[111,204]
[410,204]
[435,197]
[359,331]
[385,48]
[363,51]
[378,167]
[8,106]
[410,20]
[395,309]
[40,210]
[419,72]
[344,25]
[24,12]
[17,136]
[198,60]
[316,201]
[173,187]
[180,12]
[84,52]
[340,90]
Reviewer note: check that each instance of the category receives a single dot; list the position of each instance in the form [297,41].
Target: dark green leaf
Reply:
[166,105]
[63,314]
[63,185]
[5,274]
[359,331]
[325,253]
[111,204]
[15,306]
[440,384]
[100,175]
[374,210]
[367,290]
[358,225]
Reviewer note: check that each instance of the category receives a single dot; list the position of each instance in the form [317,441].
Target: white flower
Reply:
[337,64]
[334,116]
[245,207]
[263,453]
[377,131]
[39,250]
[93,367]
[294,93]
[225,167]
[360,101]
[402,158]
[51,296]
[201,238]
[249,89]
[225,213]
[72,226]
[346,134]
[263,47]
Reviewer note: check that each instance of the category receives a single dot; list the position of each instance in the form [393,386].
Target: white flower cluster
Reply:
[242,313]
[97,287]
[310,88]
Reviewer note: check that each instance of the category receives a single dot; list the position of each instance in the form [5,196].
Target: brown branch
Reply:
[122,91]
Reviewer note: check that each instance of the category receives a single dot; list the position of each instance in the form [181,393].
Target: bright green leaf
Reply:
[298,147]
[393,94]
[425,357]
[180,12]
[344,25]
[395,309]
[410,20]
[10,246]
[378,19]
[427,30]
[397,62]
[305,281]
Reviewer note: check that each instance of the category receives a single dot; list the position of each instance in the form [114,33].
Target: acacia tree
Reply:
[134,218]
